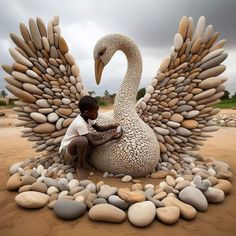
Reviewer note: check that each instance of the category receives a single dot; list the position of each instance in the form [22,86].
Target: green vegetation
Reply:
[227,103]
[140,93]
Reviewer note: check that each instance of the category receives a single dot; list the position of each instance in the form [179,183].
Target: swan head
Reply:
[103,52]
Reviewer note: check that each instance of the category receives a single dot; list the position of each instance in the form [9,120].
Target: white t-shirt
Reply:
[77,128]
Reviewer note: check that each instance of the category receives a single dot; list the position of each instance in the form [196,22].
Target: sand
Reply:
[219,219]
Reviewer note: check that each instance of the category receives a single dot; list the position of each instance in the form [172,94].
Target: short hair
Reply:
[87,103]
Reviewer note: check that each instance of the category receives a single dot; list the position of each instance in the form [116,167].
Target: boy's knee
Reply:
[82,140]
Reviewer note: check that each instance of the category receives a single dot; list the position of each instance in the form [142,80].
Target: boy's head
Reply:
[89,107]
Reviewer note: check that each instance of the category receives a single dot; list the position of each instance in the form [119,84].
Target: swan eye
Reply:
[101,53]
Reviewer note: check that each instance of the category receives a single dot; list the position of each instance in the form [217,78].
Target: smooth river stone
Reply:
[42,103]
[189,124]
[131,196]
[46,44]
[39,187]
[168,215]
[161,131]
[32,199]
[32,88]
[205,94]
[41,27]
[126,179]
[211,55]
[118,202]
[24,32]
[70,59]
[173,124]
[192,114]
[14,167]
[35,34]
[207,34]
[44,128]
[142,214]
[53,117]
[184,132]
[194,197]
[25,96]
[224,185]
[177,118]
[214,61]
[69,209]
[199,28]
[187,211]
[63,45]
[19,58]
[183,26]
[178,41]
[164,65]
[38,117]
[22,77]
[64,111]
[214,71]
[14,182]
[214,195]
[107,213]
[75,70]
[211,82]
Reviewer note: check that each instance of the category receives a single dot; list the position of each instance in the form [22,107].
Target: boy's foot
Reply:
[82,173]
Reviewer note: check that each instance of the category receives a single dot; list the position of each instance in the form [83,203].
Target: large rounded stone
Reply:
[44,128]
[224,185]
[194,197]
[141,214]
[38,117]
[131,196]
[69,209]
[32,199]
[168,215]
[106,212]
[39,187]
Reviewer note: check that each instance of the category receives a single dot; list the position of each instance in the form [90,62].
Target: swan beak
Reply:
[99,65]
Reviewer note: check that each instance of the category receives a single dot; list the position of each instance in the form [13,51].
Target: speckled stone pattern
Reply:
[178,103]
[137,152]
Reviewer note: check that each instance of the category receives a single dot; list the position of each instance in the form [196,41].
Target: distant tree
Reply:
[141,93]
[106,93]
[226,95]
[92,93]
[234,96]
[3,93]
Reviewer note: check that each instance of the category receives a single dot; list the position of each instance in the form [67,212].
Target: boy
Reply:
[78,141]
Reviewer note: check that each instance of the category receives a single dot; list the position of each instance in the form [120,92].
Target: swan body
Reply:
[137,152]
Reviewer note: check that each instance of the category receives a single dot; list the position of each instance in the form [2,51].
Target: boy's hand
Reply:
[114,126]
[117,135]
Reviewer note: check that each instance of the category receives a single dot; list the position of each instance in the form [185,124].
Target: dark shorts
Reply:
[66,155]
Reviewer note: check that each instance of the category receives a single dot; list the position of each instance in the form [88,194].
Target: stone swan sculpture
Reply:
[174,115]
[137,152]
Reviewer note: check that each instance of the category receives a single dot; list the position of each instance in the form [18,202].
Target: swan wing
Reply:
[47,81]
[179,102]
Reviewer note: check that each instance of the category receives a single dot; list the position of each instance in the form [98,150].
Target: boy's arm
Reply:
[105,127]
[94,142]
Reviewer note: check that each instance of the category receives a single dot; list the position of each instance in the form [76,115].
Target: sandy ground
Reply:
[219,219]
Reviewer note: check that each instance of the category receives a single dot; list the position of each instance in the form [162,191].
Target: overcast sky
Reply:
[151,23]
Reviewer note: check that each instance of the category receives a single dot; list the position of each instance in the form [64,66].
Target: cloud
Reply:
[152,24]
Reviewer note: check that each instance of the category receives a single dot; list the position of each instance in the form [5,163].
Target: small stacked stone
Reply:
[178,102]
[225,120]
[47,80]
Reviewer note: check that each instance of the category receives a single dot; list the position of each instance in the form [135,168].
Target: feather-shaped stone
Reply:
[46,44]
[24,78]
[214,71]
[25,32]
[19,58]
[44,128]
[214,61]
[63,45]
[212,55]
[50,33]
[178,42]
[183,26]
[164,65]
[41,27]
[196,45]
[31,88]
[25,96]
[199,28]
[38,117]
[211,82]
[36,37]
[207,34]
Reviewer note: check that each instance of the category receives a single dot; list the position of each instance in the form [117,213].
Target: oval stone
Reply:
[69,209]
[141,214]
[32,199]
[38,117]
[106,212]
[189,124]
[168,215]
[44,128]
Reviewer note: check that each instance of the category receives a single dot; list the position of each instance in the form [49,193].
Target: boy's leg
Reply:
[78,146]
